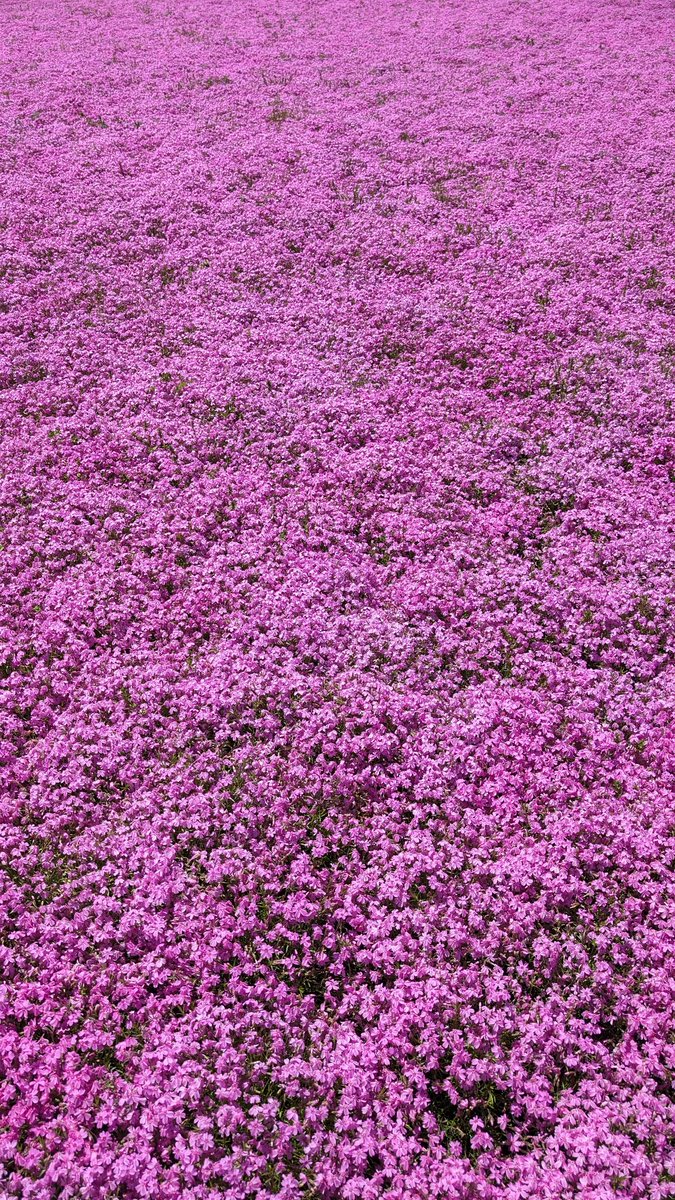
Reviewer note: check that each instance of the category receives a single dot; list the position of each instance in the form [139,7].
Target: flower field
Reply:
[337,604]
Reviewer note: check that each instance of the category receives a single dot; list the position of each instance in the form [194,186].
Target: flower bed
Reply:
[337,680]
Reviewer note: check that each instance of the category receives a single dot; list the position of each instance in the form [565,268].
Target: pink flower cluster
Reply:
[337,618]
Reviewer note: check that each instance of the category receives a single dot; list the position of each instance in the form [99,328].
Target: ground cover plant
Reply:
[337,684]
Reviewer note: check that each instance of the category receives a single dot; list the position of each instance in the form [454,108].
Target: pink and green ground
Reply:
[337,607]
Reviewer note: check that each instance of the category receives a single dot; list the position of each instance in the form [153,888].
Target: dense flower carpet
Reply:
[337,600]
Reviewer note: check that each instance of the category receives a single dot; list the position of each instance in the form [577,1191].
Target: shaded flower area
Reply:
[337,617]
